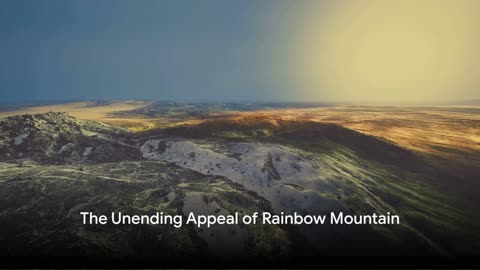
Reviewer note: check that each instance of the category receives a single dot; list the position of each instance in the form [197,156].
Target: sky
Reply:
[239,50]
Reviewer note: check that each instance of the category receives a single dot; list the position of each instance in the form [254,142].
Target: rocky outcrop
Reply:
[58,138]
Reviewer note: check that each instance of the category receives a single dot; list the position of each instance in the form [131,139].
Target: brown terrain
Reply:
[448,132]
[447,135]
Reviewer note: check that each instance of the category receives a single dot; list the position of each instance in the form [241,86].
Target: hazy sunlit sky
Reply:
[240,50]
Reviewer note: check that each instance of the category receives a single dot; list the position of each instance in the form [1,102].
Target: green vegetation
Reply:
[54,166]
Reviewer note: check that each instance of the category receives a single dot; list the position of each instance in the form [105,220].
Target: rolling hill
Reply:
[53,166]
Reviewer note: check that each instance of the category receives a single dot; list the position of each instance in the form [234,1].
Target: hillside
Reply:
[53,166]
[58,138]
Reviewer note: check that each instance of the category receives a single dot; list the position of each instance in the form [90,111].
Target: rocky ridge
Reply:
[58,138]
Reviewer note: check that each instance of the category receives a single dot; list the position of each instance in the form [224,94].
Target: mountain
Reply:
[54,166]
[268,128]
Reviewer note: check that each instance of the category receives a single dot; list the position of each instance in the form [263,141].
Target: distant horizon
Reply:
[45,102]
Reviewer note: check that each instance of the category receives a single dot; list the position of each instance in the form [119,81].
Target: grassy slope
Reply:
[41,205]
[404,184]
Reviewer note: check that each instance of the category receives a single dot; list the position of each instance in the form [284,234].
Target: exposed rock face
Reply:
[267,169]
[270,168]
[58,138]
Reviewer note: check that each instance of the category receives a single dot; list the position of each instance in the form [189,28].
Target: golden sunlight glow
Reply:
[396,51]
